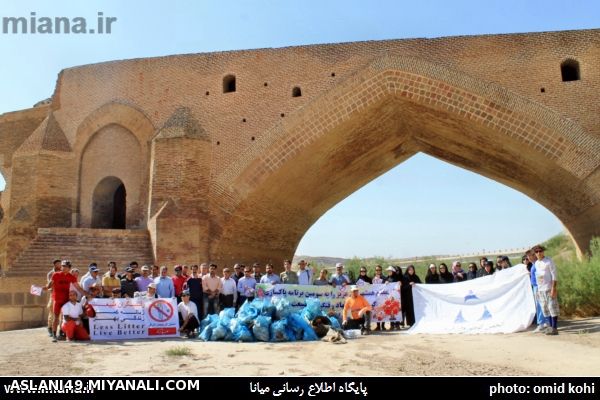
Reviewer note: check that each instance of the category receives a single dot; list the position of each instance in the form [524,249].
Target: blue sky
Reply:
[413,209]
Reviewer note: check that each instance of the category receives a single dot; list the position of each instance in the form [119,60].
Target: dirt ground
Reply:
[574,352]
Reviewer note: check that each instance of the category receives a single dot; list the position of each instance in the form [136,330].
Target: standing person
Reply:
[245,287]
[110,279]
[378,278]
[472,272]
[458,273]
[409,279]
[178,282]
[164,284]
[362,277]
[547,280]
[270,277]
[194,286]
[55,268]
[288,276]
[128,285]
[305,275]
[322,281]
[256,271]
[542,322]
[238,272]
[61,283]
[432,274]
[211,288]
[445,275]
[339,278]
[144,280]
[228,296]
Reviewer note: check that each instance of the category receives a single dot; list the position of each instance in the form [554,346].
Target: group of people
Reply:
[200,291]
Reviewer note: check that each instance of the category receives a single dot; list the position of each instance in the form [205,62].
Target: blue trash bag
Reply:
[218,333]
[206,333]
[279,331]
[261,328]
[209,320]
[226,315]
[303,330]
[247,313]
[242,334]
[282,308]
[264,307]
[312,309]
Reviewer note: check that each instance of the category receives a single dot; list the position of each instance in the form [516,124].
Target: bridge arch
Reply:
[378,118]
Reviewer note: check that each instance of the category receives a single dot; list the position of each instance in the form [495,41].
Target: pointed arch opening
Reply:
[109,204]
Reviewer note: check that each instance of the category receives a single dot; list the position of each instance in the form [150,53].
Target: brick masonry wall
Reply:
[242,175]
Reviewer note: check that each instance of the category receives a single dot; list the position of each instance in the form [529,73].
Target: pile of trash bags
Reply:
[268,320]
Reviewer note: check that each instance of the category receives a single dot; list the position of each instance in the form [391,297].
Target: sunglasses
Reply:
[539,251]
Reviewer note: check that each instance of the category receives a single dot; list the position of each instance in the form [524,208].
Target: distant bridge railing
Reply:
[512,253]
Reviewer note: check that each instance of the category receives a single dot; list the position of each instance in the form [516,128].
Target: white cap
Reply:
[339,265]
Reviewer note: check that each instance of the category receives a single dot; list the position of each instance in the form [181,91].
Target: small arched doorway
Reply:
[109,207]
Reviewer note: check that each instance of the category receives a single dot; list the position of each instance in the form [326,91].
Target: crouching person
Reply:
[357,312]
[188,315]
[72,312]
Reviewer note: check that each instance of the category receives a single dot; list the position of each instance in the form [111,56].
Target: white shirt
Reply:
[305,277]
[186,309]
[545,273]
[71,310]
[229,287]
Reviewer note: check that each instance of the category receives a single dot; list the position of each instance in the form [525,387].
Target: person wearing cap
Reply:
[61,285]
[339,278]
[188,315]
[151,291]
[88,273]
[134,265]
[178,281]
[93,278]
[144,280]
[305,275]
[288,276]
[357,312]
[116,293]
[128,285]
[110,280]
[547,292]
[72,325]
[542,321]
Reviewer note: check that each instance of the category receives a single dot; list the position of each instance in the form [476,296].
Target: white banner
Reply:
[498,303]
[137,318]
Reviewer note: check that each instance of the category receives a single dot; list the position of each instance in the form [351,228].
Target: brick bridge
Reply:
[232,156]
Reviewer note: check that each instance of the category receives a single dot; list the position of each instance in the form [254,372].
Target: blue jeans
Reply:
[538,310]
